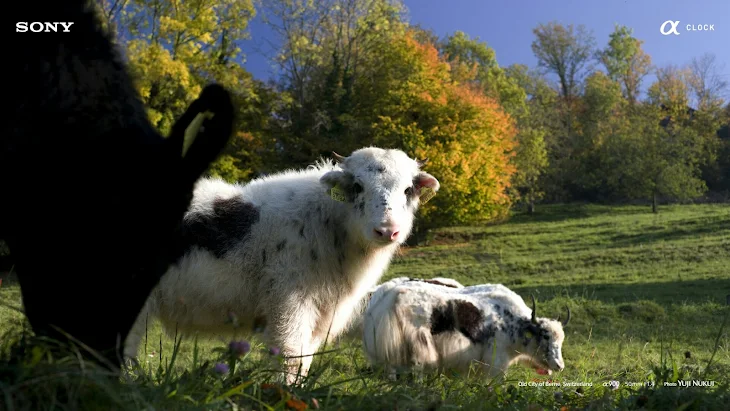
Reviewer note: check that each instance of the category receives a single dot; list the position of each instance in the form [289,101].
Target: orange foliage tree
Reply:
[466,135]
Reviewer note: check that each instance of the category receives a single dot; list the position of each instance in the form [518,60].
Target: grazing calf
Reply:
[93,196]
[420,326]
[296,251]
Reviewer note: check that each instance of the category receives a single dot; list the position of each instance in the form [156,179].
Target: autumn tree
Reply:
[626,62]
[174,48]
[671,91]
[466,135]
[475,63]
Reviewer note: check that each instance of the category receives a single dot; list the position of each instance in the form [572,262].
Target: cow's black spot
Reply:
[442,318]
[462,316]
[470,320]
[281,245]
[327,222]
[313,254]
[263,256]
[301,231]
[221,230]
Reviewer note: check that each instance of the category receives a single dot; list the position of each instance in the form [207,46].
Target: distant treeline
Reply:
[355,73]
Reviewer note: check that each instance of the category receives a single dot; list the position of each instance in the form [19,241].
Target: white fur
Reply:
[356,328]
[309,289]
[397,330]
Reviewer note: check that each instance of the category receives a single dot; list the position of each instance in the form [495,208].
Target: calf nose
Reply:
[387,233]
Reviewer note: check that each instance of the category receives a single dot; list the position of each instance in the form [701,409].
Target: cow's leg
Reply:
[292,331]
[423,353]
[333,323]
[134,338]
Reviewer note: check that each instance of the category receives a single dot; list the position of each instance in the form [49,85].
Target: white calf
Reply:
[294,253]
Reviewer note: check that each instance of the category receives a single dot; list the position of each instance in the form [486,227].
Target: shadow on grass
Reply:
[563,212]
[694,228]
[665,293]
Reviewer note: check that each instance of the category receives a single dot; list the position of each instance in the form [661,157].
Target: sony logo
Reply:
[43,26]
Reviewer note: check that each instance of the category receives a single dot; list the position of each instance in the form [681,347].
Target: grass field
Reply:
[649,296]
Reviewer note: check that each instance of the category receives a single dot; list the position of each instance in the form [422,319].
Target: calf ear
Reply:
[426,186]
[423,179]
[338,184]
[203,130]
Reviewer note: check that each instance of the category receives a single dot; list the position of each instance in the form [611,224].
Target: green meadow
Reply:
[649,296]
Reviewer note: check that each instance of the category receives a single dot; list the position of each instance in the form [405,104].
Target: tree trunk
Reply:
[531,207]
[653,203]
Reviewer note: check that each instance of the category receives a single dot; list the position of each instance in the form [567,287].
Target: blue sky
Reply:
[506,26]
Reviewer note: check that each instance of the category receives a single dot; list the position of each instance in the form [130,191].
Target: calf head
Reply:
[384,189]
[541,341]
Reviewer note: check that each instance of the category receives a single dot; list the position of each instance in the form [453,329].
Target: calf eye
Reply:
[409,191]
[357,188]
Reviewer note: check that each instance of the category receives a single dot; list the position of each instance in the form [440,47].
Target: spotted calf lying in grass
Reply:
[420,326]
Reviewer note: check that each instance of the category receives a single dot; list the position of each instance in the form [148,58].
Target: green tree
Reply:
[565,52]
[530,161]
[473,62]
[534,123]
[654,158]
[626,61]
[330,49]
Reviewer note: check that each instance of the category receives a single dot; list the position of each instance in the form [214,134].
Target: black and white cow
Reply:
[420,326]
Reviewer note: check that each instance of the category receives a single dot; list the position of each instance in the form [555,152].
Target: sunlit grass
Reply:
[648,295]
